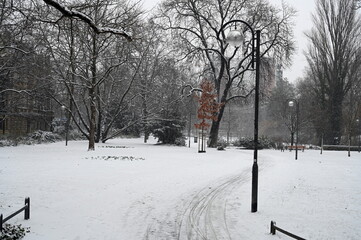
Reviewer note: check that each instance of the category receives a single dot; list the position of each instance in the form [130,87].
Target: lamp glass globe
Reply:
[235,38]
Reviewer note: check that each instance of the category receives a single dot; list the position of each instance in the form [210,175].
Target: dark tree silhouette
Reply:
[334,59]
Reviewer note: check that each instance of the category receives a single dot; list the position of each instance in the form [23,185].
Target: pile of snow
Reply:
[126,189]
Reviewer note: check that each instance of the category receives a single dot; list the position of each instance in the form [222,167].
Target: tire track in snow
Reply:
[204,216]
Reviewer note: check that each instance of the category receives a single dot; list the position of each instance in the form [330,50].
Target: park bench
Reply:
[299,147]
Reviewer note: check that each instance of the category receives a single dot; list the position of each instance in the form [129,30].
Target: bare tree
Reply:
[279,111]
[24,68]
[72,13]
[88,64]
[334,59]
[196,28]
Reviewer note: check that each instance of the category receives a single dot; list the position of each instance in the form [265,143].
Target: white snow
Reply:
[147,191]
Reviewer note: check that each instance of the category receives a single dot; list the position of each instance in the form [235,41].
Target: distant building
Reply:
[23,112]
[269,71]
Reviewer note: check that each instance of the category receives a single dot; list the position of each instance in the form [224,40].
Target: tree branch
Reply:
[76,14]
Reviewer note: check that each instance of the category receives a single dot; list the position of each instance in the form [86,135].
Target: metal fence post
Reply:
[27,209]
[273,229]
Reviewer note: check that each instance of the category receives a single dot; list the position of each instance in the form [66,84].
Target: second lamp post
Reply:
[295,103]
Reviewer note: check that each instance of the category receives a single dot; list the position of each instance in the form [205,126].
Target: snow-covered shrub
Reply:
[181,141]
[39,136]
[36,137]
[5,142]
[13,232]
[43,136]
[340,148]
[168,132]
[220,148]
[247,142]
[222,143]
[75,134]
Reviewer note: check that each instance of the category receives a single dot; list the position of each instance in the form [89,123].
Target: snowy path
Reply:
[204,214]
[128,190]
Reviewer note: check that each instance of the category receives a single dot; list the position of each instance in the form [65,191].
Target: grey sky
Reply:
[303,23]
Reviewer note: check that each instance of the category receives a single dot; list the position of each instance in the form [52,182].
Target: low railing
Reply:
[340,148]
[274,228]
[26,210]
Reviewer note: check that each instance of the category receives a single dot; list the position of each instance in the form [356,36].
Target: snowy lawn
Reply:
[128,190]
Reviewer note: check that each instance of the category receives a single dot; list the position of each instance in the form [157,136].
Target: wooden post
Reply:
[349,144]
[273,229]
[321,143]
[27,209]
[1,222]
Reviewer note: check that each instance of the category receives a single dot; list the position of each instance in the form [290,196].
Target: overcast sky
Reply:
[303,23]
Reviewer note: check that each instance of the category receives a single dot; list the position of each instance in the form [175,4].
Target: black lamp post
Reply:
[292,103]
[235,38]
[359,133]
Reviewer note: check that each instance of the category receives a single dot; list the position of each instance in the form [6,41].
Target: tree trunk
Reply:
[334,117]
[99,123]
[213,135]
[91,146]
[292,138]
[73,69]
[145,115]
[92,96]
[333,135]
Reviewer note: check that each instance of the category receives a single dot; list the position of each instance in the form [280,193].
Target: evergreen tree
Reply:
[169,129]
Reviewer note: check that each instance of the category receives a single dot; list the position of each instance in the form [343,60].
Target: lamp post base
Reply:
[254,187]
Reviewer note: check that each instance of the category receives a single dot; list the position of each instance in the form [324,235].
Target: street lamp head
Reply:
[235,38]
[63,107]
[357,120]
[291,103]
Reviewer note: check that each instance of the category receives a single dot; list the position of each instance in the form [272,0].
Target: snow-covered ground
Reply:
[128,190]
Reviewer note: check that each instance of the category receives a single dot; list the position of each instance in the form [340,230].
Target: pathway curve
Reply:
[202,215]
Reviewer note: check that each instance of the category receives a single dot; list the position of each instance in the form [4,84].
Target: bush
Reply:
[39,137]
[36,137]
[13,232]
[6,142]
[339,148]
[181,141]
[222,143]
[220,148]
[248,143]
[168,132]
[75,135]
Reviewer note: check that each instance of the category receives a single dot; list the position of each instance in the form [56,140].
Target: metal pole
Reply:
[67,130]
[189,129]
[359,133]
[27,209]
[297,123]
[256,103]
[321,143]
[359,138]
[349,144]
[199,141]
